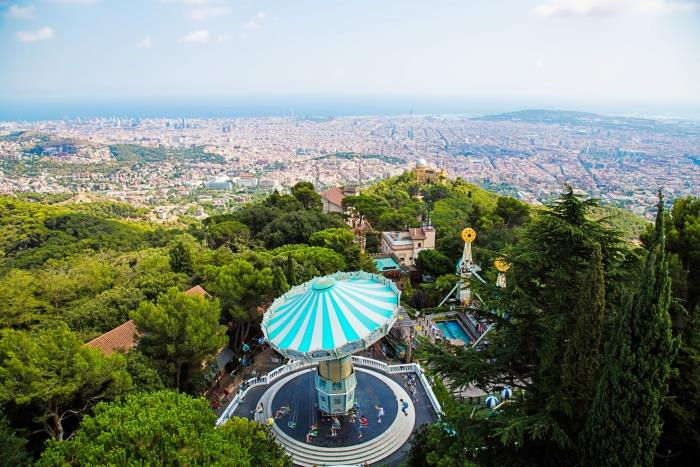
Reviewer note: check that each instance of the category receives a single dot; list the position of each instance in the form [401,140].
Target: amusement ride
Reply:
[319,410]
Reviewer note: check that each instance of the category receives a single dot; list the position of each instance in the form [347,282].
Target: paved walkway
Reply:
[263,363]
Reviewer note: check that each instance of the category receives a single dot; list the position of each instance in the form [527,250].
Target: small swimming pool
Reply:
[453,330]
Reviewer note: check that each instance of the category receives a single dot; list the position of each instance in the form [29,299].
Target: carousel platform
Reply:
[384,443]
[319,326]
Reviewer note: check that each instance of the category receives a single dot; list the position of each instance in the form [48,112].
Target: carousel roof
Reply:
[332,316]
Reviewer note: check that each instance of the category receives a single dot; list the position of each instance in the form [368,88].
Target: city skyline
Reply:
[612,56]
[529,155]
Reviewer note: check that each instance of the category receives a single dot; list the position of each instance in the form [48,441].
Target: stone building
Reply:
[425,174]
[406,244]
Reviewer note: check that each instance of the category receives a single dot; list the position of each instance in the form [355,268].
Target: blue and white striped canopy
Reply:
[332,316]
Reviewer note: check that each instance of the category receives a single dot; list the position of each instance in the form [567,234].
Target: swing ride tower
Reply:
[466,265]
[325,321]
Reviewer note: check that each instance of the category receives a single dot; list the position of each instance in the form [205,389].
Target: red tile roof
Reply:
[335,195]
[121,337]
[198,290]
[417,233]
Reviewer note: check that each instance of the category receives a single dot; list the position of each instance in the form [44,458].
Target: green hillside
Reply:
[71,272]
[32,232]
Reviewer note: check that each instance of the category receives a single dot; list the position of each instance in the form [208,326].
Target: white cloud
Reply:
[18,12]
[612,7]
[34,36]
[197,37]
[202,13]
[145,43]
[256,22]
[221,38]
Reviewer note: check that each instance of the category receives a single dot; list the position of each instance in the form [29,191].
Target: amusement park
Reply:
[344,388]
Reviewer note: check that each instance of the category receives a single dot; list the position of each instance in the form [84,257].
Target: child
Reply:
[380,412]
[353,414]
[313,432]
[404,406]
[363,424]
[335,427]
[284,410]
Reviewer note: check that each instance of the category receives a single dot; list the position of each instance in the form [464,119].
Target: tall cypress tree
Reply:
[561,265]
[623,427]
[582,355]
[681,412]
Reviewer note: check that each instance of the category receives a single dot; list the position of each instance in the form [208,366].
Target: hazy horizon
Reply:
[318,106]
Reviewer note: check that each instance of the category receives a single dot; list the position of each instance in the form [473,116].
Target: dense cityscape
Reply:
[181,165]
[352,234]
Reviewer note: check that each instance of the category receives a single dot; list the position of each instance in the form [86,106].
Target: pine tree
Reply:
[279,282]
[290,271]
[623,427]
[582,356]
[555,291]
[181,259]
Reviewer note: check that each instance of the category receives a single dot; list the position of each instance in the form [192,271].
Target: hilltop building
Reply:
[425,174]
[406,244]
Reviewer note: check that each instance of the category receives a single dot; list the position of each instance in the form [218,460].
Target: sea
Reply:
[38,109]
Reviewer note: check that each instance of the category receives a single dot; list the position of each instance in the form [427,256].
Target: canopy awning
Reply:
[332,316]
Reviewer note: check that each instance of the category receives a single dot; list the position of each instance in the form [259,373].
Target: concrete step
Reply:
[387,435]
[371,451]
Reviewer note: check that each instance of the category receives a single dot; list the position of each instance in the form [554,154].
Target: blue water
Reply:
[50,108]
[453,330]
[243,106]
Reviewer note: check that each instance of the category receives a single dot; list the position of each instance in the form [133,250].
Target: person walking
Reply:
[258,413]
[380,412]
[404,406]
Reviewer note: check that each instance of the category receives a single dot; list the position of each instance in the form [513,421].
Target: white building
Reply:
[269,183]
[247,180]
[406,244]
[219,183]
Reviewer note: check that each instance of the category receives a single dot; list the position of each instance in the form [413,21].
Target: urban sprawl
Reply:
[196,166]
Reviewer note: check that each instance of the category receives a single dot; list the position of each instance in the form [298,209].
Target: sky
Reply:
[548,52]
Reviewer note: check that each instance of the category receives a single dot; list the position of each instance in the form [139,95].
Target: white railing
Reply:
[299,365]
[428,390]
[371,363]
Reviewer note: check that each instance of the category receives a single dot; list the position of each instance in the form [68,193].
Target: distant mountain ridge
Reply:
[575,118]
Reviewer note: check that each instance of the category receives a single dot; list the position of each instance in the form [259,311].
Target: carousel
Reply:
[325,321]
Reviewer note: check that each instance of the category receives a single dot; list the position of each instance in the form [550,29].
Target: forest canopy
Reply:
[580,273]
